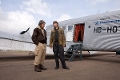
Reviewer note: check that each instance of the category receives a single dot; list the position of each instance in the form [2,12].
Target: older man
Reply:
[39,38]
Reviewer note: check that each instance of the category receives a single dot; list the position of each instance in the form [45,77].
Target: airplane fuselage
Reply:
[100,32]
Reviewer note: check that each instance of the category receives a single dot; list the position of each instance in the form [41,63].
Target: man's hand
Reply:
[64,46]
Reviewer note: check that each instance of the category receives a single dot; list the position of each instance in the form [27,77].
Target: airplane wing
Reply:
[20,41]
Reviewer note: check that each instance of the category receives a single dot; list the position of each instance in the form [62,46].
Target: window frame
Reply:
[71,29]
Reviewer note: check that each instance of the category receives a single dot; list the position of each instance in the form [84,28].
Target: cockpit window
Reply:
[70,28]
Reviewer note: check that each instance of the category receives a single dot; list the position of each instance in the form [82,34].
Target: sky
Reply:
[18,15]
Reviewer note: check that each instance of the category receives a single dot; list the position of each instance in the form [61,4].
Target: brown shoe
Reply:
[42,67]
[37,69]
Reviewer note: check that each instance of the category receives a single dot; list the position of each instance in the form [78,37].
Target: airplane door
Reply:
[69,33]
[79,32]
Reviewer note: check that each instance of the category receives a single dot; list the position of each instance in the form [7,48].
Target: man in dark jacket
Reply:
[39,38]
[58,41]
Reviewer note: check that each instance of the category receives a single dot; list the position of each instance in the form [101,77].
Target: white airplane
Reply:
[100,32]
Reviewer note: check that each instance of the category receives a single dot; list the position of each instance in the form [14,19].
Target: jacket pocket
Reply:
[53,34]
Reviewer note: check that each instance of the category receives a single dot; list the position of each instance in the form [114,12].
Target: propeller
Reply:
[23,32]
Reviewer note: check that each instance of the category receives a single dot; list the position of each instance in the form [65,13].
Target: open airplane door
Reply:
[79,32]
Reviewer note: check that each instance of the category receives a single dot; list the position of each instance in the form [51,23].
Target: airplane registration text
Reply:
[109,29]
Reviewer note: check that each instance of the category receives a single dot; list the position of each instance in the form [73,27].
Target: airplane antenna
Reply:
[98,11]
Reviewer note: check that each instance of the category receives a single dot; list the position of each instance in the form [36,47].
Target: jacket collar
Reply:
[54,29]
[39,27]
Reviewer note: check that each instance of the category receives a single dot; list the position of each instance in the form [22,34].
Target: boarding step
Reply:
[73,51]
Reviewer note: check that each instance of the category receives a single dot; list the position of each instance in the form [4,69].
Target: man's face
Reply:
[55,25]
[43,25]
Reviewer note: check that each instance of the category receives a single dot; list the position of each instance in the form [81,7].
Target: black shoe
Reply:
[37,69]
[56,68]
[66,68]
[42,67]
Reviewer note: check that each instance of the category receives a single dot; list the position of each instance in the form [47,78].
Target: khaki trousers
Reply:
[40,53]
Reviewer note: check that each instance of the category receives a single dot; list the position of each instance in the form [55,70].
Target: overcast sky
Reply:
[18,15]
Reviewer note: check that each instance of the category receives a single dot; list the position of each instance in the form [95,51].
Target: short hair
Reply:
[41,22]
[55,22]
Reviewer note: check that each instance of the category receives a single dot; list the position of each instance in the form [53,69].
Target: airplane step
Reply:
[68,54]
[73,51]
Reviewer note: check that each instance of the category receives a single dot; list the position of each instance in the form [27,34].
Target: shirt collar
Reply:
[56,29]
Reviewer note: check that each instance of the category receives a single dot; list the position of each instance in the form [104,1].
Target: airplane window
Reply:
[70,28]
[64,27]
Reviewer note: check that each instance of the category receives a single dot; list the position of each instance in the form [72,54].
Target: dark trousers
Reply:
[59,53]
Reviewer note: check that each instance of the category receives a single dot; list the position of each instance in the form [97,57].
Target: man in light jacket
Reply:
[58,42]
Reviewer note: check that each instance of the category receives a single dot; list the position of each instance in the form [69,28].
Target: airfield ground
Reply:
[99,66]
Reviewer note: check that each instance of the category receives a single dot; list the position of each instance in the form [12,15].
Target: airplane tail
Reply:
[25,33]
